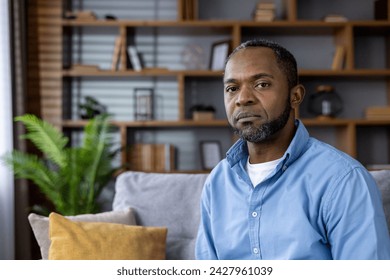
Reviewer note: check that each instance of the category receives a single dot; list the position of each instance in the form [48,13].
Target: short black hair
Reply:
[286,61]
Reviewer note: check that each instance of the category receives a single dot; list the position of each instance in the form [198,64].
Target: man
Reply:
[280,194]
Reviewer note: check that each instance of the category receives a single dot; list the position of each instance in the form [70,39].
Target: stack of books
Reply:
[265,11]
[152,157]
[335,18]
[378,113]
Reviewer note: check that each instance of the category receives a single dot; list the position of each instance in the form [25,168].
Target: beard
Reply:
[265,131]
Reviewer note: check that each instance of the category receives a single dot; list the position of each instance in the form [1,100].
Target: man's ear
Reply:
[297,94]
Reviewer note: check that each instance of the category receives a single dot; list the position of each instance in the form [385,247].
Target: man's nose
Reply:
[245,97]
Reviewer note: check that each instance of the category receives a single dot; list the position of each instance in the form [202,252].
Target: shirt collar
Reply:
[239,150]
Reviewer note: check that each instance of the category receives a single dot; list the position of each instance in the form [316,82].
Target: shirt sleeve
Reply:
[204,248]
[354,217]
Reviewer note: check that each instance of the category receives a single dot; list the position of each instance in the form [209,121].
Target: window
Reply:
[6,182]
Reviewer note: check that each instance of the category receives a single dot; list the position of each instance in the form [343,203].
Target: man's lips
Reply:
[246,117]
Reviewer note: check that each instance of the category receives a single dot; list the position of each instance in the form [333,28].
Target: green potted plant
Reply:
[91,108]
[71,178]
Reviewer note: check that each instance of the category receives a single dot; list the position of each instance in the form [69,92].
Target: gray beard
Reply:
[265,131]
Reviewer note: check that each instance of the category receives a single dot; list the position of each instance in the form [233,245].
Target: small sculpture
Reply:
[325,102]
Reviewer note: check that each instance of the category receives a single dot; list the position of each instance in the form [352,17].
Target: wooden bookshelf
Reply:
[344,34]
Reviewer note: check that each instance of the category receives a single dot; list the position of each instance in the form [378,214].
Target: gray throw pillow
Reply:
[40,224]
[164,200]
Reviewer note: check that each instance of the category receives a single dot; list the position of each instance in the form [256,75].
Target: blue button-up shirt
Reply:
[318,203]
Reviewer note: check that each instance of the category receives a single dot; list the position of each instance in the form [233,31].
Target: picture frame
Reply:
[143,104]
[219,53]
[210,153]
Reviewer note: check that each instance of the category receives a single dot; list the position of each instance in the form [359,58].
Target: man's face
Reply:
[256,94]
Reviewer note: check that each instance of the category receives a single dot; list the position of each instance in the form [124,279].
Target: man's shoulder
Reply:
[325,161]
[326,153]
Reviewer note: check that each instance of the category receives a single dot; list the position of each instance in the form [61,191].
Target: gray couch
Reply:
[166,200]
[172,201]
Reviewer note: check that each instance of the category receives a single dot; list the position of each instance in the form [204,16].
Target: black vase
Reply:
[325,102]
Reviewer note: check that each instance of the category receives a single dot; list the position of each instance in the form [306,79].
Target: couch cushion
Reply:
[382,178]
[40,224]
[72,240]
[164,200]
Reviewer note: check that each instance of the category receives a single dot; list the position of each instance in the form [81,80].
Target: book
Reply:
[378,117]
[188,9]
[152,157]
[266,6]
[260,13]
[134,58]
[265,18]
[338,58]
[335,18]
[378,110]
[164,157]
[180,10]
[264,15]
[378,113]
[116,54]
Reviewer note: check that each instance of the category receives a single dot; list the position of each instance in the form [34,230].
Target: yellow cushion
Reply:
[72,240]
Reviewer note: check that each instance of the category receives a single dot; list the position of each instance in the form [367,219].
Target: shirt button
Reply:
[255,250]
[254,214]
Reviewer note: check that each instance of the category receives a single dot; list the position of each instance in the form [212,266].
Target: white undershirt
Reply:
[259,171]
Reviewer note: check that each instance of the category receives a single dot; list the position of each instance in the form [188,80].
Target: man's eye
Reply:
[231,89]
[263,85]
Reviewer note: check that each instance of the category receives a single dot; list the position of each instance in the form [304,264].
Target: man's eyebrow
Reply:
[227,81]
[261,75]
[252,78]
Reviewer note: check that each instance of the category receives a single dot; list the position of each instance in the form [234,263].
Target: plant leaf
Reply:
[32,168]
[96,135]
[49,140]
